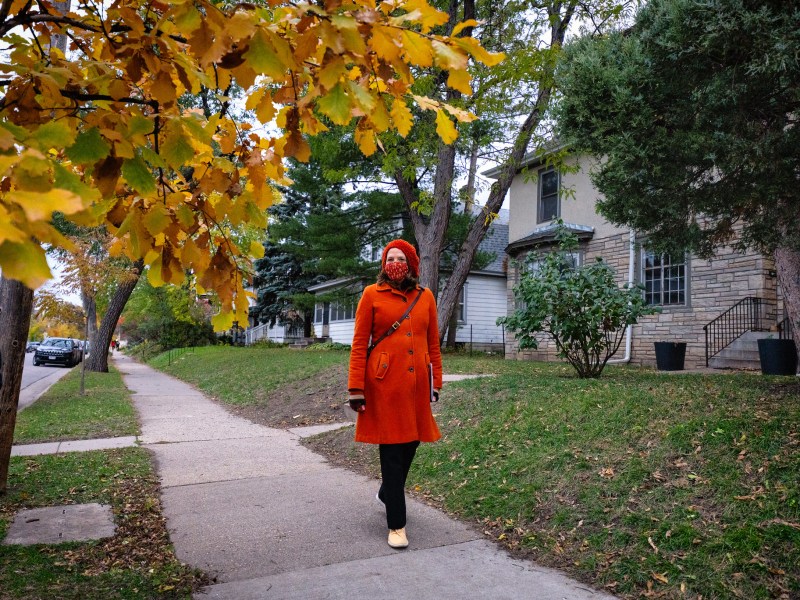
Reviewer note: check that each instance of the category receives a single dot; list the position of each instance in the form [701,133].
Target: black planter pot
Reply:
[670,355]
[778,357]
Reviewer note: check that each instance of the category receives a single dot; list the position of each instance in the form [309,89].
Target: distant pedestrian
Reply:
[395,373]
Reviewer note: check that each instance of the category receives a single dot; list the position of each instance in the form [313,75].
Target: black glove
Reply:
[435,396]
[358,404]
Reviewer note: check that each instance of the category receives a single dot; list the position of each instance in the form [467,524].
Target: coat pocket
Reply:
[382,366]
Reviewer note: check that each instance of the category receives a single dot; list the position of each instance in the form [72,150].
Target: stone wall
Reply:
[714,286]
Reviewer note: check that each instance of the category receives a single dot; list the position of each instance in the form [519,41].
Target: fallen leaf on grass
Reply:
[652,544]
[660,577]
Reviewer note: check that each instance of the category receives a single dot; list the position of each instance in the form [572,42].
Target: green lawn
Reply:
[640,481]
[245,376]
[668,484]
[136,563]
[63,414]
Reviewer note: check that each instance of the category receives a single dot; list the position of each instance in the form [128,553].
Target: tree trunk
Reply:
[16,304]
[98,359]
[90,310]
[787,264]
[477,231]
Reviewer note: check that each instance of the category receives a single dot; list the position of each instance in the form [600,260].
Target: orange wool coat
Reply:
[395,378]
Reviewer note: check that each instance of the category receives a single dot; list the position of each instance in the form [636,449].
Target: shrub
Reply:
[324,346]
[581,308]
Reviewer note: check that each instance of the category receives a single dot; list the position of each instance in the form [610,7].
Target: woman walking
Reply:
[395,373]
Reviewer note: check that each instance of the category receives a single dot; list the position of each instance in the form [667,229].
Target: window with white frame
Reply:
[664,278]
[461,307]
[319,308]
[343,311]
[549,205]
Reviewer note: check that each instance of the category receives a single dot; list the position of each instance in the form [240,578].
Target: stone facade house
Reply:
[691,292]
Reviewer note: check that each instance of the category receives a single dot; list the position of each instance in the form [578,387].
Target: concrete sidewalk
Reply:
[271,519]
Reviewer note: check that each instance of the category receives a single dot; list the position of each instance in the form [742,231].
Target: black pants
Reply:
[396,460]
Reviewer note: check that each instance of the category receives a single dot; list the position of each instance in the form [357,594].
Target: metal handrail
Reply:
[749,314]
[785,330]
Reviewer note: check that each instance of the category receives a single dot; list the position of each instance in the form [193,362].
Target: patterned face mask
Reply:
[396,270]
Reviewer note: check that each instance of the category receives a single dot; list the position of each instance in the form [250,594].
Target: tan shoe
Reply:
[397,538]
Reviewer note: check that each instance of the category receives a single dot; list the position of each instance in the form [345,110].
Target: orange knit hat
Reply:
[411,255]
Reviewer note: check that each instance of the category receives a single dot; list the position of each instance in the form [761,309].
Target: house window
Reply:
[461,308]
[342,311]
[664,279]
[549,204]
[318,310]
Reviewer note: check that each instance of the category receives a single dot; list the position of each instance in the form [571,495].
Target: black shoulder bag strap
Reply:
[395,325]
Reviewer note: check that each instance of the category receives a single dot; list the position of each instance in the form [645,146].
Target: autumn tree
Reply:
[103,282]
[695,110]
[98,133]
[512,102]
[170,316]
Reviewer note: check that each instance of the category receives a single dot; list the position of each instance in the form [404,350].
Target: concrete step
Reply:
[741,354]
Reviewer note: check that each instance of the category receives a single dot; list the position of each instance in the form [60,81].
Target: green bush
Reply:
[581,308]
[268,344]
[324,346]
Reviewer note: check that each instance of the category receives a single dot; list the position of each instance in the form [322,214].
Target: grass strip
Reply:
[246,376]
[138,562]
[62,413]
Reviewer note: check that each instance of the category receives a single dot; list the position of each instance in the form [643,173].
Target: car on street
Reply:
[59,351]
[31,346]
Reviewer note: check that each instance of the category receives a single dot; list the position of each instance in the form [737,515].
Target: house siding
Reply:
[485,302]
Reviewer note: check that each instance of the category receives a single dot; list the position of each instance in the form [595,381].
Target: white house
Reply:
[482,302]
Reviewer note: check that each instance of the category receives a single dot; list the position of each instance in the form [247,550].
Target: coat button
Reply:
[411,369]
[408,334]
[411,352]
[384,365]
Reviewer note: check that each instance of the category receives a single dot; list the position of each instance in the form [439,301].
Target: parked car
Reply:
[60,351]
[31,346]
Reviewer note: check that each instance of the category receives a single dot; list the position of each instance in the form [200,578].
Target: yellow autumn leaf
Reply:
[445,128]
[401,116]
[40,206]
[163,88]
[8,231]
[417,48]
[478,52]
[384,43]
[336,105]
[460,80]
[379,117]
[156,219]
[463,25]
[256,250]
[425,103]
[448,57]
[154,273]
[24,262]
[222,321]
[366,141]
[459,113]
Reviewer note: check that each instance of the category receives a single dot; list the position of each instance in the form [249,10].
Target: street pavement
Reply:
[36,380]
[269,518]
